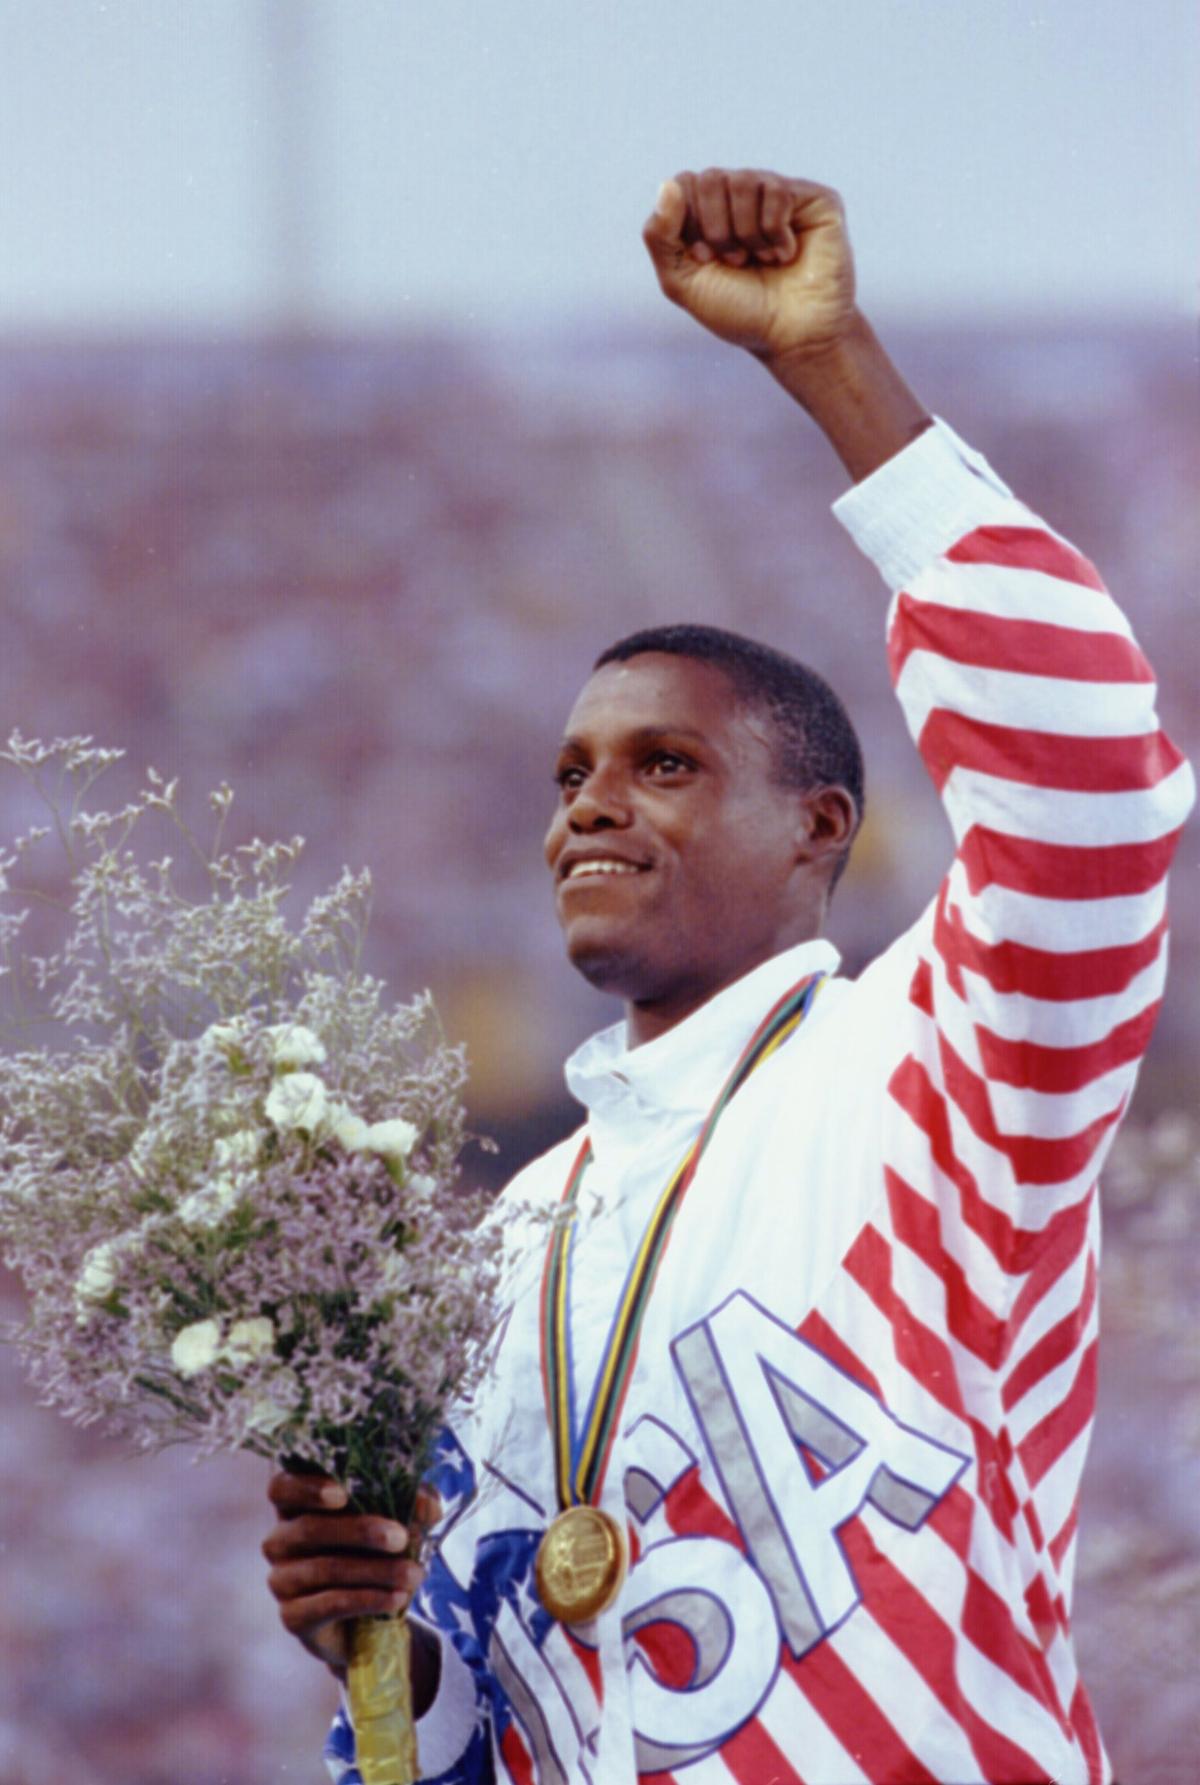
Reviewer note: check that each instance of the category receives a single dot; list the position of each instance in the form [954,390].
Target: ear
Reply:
[829,820]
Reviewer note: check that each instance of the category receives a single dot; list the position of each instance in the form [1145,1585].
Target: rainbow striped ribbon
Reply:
[581,1453]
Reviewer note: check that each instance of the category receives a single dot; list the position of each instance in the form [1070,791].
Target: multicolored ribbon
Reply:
[581,1453]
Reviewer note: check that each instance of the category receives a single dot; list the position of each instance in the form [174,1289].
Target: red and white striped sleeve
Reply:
[1038,975]
[1033,710]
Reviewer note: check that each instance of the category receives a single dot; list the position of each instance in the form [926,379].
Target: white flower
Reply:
[98,1276]
[349,1130]
[237,1149]
[249,1340]
[392,1140]
[209,1205]
[268,1413]
[141,1154]
[298,1100]
[420,1184]
[197,1347]
[293,1045]
[227,1036]
[266,1416]
[395,1272]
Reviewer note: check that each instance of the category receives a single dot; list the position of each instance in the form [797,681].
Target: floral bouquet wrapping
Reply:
[227,1170]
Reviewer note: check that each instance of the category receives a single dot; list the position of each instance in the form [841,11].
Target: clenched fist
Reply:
[762,261]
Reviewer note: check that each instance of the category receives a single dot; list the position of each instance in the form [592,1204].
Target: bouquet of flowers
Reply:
[228,1166]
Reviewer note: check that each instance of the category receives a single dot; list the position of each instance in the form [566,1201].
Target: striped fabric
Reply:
[851,1453]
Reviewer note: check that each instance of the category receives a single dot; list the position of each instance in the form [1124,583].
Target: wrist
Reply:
[855,394]
[829,360]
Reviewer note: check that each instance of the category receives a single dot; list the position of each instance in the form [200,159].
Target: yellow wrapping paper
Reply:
[380,1689]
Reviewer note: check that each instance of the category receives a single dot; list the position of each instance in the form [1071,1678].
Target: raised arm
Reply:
[764,263]
[1023,688]
[1030,987]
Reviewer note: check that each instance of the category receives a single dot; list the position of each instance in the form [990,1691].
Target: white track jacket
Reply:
[849,1460]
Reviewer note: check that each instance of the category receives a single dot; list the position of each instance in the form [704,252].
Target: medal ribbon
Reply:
[581,1452]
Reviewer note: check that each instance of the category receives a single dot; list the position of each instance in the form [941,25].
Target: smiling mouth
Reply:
[600,867]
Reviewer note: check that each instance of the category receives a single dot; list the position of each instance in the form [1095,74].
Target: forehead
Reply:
[658,691]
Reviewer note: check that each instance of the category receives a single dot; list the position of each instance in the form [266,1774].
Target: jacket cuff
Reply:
[919,503]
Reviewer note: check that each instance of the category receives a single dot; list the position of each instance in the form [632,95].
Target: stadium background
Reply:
[305,495]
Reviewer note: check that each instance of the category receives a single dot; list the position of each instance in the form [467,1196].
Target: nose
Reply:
[601,804]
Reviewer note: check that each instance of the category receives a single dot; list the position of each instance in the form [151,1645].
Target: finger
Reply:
[300,1617]
[669,214]
[745,189]
[313,1575]
[427,1509]
[293,1493]
[712,211]
[810,205]
[663,231]
[686,183]
[692,230]
[775,210]
[318,1533]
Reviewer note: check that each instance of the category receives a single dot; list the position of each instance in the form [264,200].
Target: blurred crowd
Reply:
[361,580]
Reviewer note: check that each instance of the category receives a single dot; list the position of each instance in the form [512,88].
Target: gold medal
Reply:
[580,1565]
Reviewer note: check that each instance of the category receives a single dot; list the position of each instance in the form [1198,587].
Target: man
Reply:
[825,1393]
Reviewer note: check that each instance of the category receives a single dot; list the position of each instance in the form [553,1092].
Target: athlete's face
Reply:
[679,862]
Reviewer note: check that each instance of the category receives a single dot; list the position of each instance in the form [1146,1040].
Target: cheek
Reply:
[553,840]
[704,881]
[741,867]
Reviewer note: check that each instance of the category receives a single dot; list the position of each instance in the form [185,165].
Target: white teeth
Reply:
[600,866]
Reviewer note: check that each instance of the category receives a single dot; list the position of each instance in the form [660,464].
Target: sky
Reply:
[226,164]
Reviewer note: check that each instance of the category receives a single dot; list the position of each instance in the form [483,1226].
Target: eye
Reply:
[569,776]
[664,764]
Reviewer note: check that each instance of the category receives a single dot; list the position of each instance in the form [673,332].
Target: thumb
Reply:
[663,233]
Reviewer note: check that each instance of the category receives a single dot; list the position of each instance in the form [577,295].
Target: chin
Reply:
[607,970]
[607,964]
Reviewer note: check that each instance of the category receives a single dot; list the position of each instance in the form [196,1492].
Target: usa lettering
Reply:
[765,1402]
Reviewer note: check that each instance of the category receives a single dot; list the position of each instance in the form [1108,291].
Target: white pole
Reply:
[289,145]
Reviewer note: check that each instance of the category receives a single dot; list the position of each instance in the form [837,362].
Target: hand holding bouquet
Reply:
[227,1165]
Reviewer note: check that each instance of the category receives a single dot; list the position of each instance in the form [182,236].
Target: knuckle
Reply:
[320,1572]
[410,1576]
[277,1585]
[276,1544]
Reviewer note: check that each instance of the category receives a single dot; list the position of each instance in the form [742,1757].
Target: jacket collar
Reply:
[682,1070]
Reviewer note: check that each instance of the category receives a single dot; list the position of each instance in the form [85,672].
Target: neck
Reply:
[644,1022]
[646,1019]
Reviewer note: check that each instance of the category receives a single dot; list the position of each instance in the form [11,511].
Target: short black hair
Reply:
[816,744]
